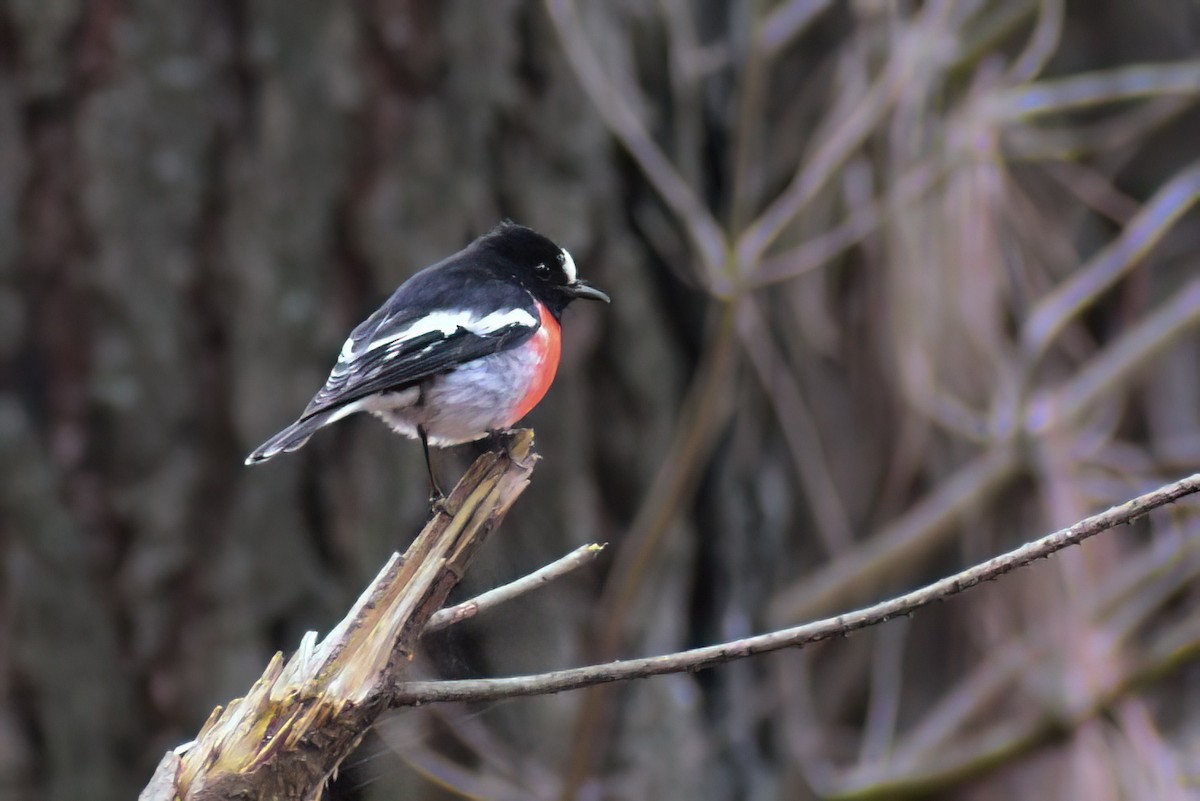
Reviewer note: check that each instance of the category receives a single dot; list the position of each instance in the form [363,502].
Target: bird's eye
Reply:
[542,270]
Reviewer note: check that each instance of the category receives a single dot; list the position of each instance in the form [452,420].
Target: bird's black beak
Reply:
[584,290]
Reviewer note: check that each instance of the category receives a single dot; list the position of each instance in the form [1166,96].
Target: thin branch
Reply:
[1116,609]
[703,414]
[986,34]
[1000,743]
[1095,88]
[493,598]
[1108,371]
[623,122]
[831,153]
[814,175]
[902,543]
[1094,189]
[861,222]
[1036,140]
[1113,262]
[786,22]
[800,429]
[423,692]
[921,528]
[1042,44]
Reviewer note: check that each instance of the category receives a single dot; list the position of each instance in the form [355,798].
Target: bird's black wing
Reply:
[396,349]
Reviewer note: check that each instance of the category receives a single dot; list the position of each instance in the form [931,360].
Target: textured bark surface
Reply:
[199,199]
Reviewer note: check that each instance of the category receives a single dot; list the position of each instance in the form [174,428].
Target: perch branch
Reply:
[423,692]
[303,717]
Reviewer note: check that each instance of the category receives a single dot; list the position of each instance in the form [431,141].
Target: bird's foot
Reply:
[437,496]
[498,439]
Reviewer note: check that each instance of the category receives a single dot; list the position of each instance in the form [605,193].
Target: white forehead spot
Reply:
[568,265]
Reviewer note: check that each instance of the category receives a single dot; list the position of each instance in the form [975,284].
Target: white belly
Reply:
[462,405]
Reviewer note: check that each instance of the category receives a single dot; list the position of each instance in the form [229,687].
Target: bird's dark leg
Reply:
[435,495]
[497,439]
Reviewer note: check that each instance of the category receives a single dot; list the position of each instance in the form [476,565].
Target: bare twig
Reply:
[1156,217]
[999,743]
[493,598]
[988,31]
[828,157]
[423,692]
[1094,189]
[860,222]
[800,430]
[1094,88]
[1041,46]
[850,577]
[623,122]
[1036,140]
[920,529]
[1108,371]
[786,22]
[1120,608]
[704,412]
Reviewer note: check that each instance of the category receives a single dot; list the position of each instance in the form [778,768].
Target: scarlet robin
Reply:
[462,349]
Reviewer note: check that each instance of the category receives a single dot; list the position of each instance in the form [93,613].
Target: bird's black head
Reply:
[539,265]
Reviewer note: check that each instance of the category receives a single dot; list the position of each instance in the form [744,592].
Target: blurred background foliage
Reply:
[896,285]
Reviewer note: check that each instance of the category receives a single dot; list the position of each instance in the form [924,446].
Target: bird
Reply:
[461,351]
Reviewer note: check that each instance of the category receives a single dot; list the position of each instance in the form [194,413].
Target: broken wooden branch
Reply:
[288,736]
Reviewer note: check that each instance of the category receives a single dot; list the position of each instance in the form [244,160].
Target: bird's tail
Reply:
[292,437]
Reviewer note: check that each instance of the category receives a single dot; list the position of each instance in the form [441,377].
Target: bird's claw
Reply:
[498,439]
